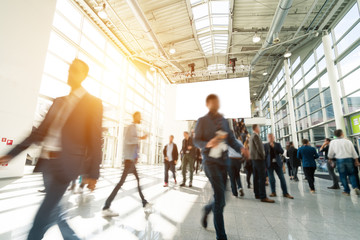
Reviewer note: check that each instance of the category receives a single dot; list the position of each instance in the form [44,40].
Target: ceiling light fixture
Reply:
[102,13]
[172,50]
[256,38]
[265,73]
[255,94]
[152,69]
[287,54]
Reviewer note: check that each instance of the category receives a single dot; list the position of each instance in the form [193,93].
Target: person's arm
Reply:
[94,151]
[280,149]
[331,152]
[353,152]
[259,146]
[176,153]
[298,155]
[198,140]
[164,152]
[36,136]
[316,155]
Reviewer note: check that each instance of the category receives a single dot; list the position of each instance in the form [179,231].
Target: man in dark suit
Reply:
[170,159]
[273,150]
[71,138]
[291,153]
[257,156]
[188,150]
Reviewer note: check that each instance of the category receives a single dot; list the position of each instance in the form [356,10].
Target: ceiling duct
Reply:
[141,18]
[277,22]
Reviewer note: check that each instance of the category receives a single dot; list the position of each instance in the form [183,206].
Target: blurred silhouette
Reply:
[71,145]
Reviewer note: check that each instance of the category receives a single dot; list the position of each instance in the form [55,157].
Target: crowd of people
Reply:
[71,136]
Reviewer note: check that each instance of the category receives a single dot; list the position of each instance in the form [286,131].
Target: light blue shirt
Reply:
[233,153]
[131,143]
[169,150]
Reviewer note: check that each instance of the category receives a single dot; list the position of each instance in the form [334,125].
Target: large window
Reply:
[122,87]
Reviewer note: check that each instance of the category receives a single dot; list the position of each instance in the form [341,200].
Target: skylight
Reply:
[212,24]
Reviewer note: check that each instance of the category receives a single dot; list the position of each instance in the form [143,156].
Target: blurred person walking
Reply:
[212,136]
[234,170]
[130,152]
[330,164]
[308,155]
[71,136]
[294,161]
[188,150]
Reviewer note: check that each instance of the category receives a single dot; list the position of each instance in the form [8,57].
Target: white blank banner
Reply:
[234,95]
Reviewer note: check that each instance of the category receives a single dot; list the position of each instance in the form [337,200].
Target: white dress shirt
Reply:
[341,148]
[169,150]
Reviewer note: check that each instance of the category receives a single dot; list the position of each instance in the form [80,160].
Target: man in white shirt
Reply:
[170,159]
[343,151]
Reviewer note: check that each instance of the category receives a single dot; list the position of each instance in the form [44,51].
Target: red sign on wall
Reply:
[9,142]
[3,139]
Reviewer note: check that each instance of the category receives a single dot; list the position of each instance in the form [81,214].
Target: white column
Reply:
[271,104]
[25,27]
[335,96]
[290,103]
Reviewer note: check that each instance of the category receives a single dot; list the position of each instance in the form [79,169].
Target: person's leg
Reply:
[237,173]
[184,167]
[343,174]
[289,168]
[272,181]
[280,174]
[295,172]
[191,163]
[48,213]
[217,179]
[262,179]
[351,172]
[332,175]
[172,169]
[166,168]
[134,171]
[231,171]
[308,173]
[255,179]
[118,186]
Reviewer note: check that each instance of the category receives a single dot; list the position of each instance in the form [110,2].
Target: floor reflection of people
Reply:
[71,137]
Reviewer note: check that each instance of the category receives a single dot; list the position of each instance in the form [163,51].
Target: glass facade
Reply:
[123,87]
[314,113]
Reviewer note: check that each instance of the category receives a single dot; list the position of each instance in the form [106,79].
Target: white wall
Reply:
[172,126]
[25,27]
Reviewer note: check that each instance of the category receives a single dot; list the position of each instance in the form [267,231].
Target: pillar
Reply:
[25,27]
[335,96]
[271,104]
[290,103]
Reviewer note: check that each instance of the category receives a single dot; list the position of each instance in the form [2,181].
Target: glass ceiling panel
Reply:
[200,11]
[213,29]
[202,23]
[220,7]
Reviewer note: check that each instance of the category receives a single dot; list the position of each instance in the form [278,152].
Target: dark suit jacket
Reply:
[292,154]
[175,153]
[81,139]
[256,148]
[205,130]
[190,143]
[278,150]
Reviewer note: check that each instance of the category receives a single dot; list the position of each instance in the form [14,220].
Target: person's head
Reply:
[78,71]
[291,144]
[256,128]
[271,137]
[213,103]
[186,134]
[339,133]
[137,117]
[327,140]
[171,138]
[305,142]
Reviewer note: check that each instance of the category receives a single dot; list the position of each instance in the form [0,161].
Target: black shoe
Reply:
[42,191]
[204,222]
[182,185]
[249,186]
[190,184]
[334,187]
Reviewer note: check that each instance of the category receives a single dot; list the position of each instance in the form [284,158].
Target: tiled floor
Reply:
[176,212]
